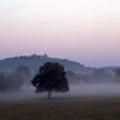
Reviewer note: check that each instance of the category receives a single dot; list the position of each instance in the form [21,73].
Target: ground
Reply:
[82,108]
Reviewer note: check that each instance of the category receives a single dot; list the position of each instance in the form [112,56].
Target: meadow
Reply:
[83,102]
[72,108]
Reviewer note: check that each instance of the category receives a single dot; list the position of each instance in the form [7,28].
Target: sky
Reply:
[87,31]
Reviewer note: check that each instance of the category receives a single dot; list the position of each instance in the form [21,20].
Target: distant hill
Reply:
[76,72]
[110,68]
[35,61]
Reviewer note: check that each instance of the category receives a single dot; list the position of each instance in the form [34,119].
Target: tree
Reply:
[117,74]
[14,81]
[2,82]
[51,78]
[73,77]
[24,73]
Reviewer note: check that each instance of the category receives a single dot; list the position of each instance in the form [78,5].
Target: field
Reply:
[82,108]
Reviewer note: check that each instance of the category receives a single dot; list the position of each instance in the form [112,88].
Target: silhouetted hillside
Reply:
[76,72]
[110,68]
[35,61]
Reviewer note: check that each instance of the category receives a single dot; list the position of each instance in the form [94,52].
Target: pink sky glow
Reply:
[87,31]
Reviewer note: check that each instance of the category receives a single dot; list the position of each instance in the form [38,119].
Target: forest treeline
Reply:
[14,80]
[22,75]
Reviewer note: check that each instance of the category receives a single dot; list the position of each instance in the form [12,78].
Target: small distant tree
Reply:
[2,82]
[24,73]
[14,81]
[117,74]
[51,78]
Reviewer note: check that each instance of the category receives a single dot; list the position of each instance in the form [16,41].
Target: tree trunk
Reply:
[49,94]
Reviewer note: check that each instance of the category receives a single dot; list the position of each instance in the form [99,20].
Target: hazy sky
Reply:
[87,31]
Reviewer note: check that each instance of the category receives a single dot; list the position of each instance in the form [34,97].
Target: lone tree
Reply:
[51,78]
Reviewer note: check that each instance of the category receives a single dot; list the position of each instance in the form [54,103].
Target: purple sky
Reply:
[87,31]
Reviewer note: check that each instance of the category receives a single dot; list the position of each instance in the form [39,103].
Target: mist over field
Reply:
[16,74]
[92,91]
[80,80]
[76,91]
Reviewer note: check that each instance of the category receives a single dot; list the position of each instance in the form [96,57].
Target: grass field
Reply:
[62,109]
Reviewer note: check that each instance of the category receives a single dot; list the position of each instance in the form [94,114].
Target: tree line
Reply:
[51,77]
[14,80]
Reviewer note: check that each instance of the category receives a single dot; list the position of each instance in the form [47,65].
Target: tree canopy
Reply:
[51,78]
[117,73]
[14,80]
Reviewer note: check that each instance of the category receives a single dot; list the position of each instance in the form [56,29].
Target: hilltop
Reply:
[35,61]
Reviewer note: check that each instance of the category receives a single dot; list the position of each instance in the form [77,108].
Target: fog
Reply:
[106,89]
[80,90]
